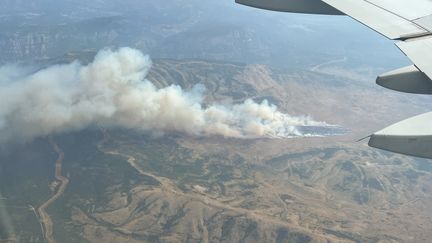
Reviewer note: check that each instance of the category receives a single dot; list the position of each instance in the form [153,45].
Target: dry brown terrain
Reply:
[127,186]
[270,190]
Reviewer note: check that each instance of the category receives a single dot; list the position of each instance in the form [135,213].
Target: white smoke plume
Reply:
[112,91]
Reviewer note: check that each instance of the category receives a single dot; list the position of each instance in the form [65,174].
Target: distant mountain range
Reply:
[216,30]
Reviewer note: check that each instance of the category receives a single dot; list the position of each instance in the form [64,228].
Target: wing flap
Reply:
[418,50]
[377,18]
[409,10]
[425,22]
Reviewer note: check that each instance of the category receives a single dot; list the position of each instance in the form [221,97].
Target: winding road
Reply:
[167,186]
[44,218]
[318,67]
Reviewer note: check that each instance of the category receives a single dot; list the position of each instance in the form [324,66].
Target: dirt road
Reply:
[44,218]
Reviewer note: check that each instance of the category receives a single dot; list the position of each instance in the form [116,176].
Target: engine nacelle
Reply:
[408,79]
[294,6]
[411,137]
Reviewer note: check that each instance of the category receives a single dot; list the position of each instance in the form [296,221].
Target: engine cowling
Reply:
[408,79]
[411,137]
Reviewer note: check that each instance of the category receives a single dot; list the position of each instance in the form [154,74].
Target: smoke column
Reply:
[112,91]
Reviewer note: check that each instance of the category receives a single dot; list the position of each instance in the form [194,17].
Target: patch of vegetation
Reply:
[282,160]
[373,183]
[25,173]
[285,236]
[361,197]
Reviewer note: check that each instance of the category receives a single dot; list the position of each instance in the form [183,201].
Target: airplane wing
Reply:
[409,24]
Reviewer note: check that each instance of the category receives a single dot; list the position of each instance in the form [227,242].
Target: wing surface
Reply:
[388,19]
[407,21]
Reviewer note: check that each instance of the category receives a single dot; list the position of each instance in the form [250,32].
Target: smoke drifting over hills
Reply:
[112,91]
